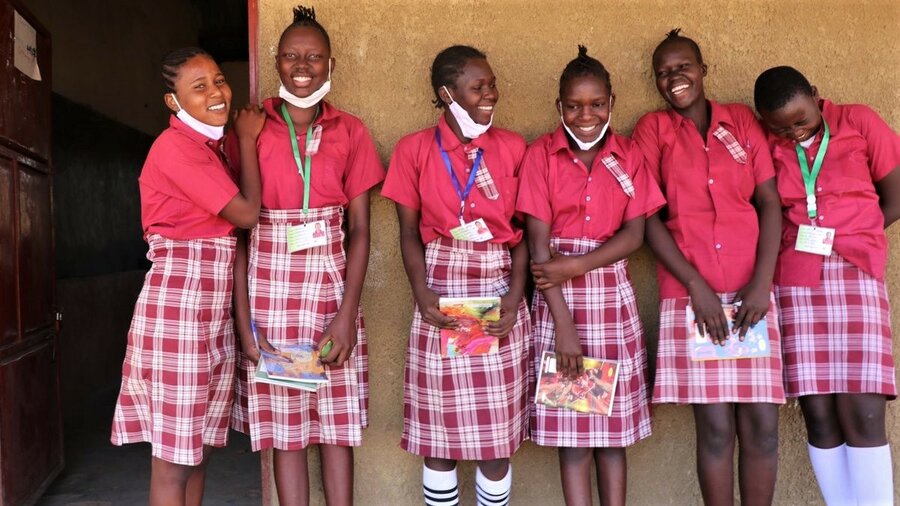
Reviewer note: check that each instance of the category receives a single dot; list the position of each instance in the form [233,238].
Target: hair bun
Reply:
[673,33]
[582,51]
[304,13]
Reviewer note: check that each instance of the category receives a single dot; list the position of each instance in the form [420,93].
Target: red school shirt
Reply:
[184,185]
[418,179]
[344,165]
[862,150]
[708,191]
[558,189]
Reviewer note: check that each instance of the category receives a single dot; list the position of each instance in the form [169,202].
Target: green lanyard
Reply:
[809,177]
[303,168]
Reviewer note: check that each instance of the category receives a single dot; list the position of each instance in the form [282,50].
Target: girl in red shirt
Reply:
[317,165]
[716,242]
[585,192]
[840,188]
[177,379]
[445,179]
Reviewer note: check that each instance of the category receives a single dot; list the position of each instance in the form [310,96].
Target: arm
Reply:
[243,209]
[888,189]
[706,304]
[754,297]
[568,346]
[561,268]
[343,328]
[414,262]
[509,303]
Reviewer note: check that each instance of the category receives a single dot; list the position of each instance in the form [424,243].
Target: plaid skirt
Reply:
[606,317]
[178,375]
[837,337]
[468,407]
[293,299]
[684,381]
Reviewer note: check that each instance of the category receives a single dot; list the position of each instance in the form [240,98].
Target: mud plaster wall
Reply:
[384,49]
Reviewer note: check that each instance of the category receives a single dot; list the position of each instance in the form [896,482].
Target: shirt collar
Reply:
[194,135]
[559,141]
[449,140]
[272,106]
[718,115]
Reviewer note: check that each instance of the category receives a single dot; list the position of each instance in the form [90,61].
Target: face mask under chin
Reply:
[469,128]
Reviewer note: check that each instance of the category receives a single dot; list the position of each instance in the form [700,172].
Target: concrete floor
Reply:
[100,474]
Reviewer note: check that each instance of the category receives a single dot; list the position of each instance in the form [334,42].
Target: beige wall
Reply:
[384,50]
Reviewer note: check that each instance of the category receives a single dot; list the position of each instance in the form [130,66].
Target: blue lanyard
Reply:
[463,194]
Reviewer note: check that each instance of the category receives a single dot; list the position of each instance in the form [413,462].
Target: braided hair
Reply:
[173,61]
[584,65]
[306,16]
[675,36]
[777,86]
[448,65]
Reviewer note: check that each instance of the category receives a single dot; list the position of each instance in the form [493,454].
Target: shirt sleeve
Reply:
[646,136]
[882,144]
[195,171]
[534,185]
[364,169]
[648,199]
[760,153]
[402,181]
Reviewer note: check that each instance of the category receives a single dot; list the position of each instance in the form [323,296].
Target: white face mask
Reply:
[312,100]
[585,146]
[213,132]
[467,125]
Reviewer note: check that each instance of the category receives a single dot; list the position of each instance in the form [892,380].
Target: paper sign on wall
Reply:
[26,48]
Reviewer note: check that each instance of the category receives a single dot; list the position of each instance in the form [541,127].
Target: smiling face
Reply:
[303,60]
[679,75]
[586,104]
[798,120]
[202,91]
[475,90]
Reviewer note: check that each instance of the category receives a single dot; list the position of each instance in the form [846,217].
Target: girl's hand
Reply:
[249,122]
[429,307]
[342,333]
[249,345]
[557,270]
[509,312]
[708,312]
[754,299]
[569,358]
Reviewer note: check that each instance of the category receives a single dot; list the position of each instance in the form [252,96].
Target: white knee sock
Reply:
[493,493]
[833,475]
[440,487]
[871,475]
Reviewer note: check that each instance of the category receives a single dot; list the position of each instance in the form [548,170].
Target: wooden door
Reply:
[30,419]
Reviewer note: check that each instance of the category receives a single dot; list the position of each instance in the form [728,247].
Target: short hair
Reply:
[584,65]
[674,36]
[777,86]
[173,61]
[448,65]
[306,16]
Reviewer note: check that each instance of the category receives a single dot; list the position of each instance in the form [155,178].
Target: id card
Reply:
[815,240]
[475,231]
[307,235]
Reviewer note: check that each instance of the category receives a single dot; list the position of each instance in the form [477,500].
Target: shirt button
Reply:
[575,161]
[821,218]
[710,181]
[472,204]
[819,189]
[588,198]
[718,246]
[590,179]
[706,148]
[587,218]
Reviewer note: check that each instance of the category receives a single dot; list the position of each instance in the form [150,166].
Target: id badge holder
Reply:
[815,240]
[307,235]
[474,231]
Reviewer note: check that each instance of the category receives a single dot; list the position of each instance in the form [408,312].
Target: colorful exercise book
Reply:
[755,343]
[472,315]
[593,391]
[292,366]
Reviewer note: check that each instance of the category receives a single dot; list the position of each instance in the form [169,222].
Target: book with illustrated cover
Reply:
[263,377]
[472,314]
[294,362]
[591,392]
[754,345]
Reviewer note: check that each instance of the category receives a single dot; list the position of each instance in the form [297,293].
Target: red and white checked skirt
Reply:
[178,375]
[293,299]
[837,337]
[606,317]
[683,381]
[469,407]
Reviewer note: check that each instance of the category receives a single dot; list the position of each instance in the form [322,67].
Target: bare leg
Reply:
[612,475]
[575,473]
[823,429]
[291,477]
[337,474]
[757,426]
[168,482]
[715,426]
[861,418]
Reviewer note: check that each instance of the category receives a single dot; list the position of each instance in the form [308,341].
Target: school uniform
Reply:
[584,208]
[467,407]
[709,188]
[295,296]
[834,310]
[178,374]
